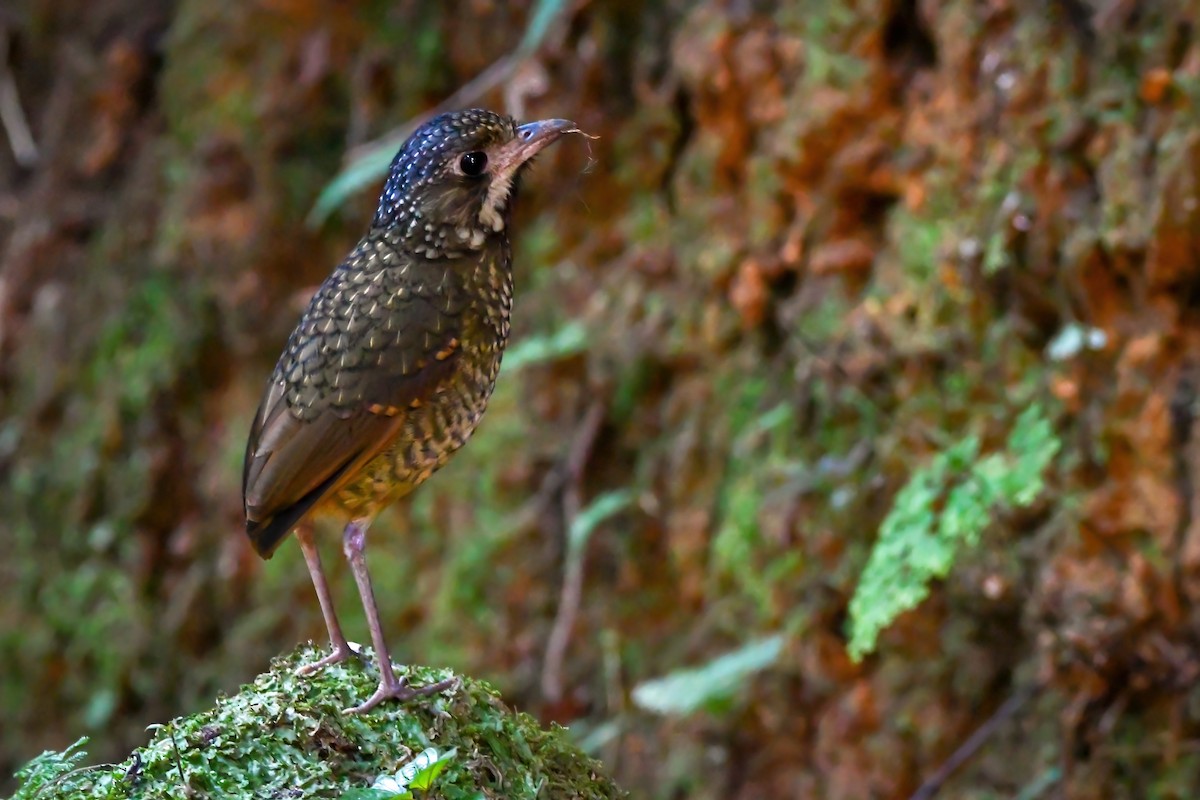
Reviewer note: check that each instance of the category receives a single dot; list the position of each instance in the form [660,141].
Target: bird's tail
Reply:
[267,534]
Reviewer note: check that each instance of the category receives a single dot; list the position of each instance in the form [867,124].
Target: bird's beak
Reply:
[532,138]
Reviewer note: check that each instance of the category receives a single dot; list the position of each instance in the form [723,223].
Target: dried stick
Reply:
[12,116]
[975,741]
[572,587]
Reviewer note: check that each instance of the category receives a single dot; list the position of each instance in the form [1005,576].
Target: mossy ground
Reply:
[286,737]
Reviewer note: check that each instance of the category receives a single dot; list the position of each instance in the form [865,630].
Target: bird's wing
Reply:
[369,348]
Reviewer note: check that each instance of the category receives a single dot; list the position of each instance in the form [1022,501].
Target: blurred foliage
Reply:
[686,691]
[48,769]
[816,248]
[370,166]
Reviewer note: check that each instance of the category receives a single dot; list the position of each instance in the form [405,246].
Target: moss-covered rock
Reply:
[286,737]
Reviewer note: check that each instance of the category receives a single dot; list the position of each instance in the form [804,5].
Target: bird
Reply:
[391,366]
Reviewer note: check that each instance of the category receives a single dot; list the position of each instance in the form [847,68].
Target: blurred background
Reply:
[819,249]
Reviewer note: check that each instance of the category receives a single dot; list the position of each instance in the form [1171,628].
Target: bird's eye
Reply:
[472,164]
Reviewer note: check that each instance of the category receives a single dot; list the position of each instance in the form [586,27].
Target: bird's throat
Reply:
[493,213]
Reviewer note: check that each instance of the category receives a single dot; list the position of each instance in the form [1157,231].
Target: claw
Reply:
[340,653]
[399,690]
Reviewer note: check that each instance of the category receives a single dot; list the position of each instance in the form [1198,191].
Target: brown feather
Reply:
[341,392]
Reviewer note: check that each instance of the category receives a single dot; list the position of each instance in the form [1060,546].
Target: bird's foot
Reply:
[341,652]
[398,690]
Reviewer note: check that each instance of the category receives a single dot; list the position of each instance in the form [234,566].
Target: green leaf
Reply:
[374,162]
[358,174]
[946,504]
[544,13]
[687,690]
[600,509]
[566,341]
[374,794]
[1034,445]
[48,768]
[592,739]
[424,779]
[419,773]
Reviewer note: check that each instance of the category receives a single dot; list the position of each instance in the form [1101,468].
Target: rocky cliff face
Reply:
[815,246]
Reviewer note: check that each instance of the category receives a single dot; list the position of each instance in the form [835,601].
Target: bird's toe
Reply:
[338,655]
[399,691]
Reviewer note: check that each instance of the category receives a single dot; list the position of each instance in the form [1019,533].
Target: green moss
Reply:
[85,589]
[828,29]
[285,736]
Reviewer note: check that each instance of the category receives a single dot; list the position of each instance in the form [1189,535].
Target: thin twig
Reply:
[12,116]
[1183,419]
[468,93]
[187,790]
[572,587]
[353,177]
[494,75]
[1040,784]
[134,770]
[1150,749]
[60,778]
[976,741]
[536,507]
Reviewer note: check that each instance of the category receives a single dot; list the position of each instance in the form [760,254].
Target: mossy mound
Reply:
[286,737]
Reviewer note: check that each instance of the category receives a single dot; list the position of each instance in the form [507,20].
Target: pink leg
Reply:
[354,542]
[341,649]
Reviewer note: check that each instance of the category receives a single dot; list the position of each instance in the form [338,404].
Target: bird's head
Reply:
[451,185]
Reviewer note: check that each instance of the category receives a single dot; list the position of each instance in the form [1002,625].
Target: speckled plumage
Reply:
[390,368]
[445,227]
[401,343]
[392,347]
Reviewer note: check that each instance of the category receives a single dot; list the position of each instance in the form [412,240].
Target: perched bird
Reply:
[391,366]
